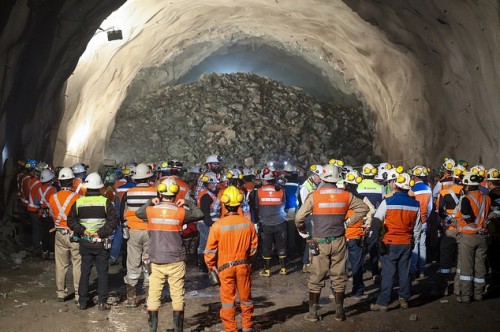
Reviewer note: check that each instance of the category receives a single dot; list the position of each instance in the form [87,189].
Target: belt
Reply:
[327,240]
[233,263]
[63,231]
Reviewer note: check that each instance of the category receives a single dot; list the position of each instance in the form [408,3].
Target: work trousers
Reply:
[36,231]
[306,257]
[48,238]
[137,252]
[203,231]
[99,257]
[449,253]
[397,258]
[472,250]
[116,245]
[66,252]
[356,255]
[419,253]
[276,234]
[331,263]
[174,273]
[237,278]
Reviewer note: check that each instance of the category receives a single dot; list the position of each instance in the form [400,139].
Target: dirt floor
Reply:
[28,303]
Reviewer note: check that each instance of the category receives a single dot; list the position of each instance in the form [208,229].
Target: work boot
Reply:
[152,320]
[178,321]
[267,269]
[131,297]
[202,267]
[265,273]
[312,315]
[339,306]
[283,266]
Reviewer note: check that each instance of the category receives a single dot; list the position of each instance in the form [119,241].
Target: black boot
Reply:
[202,267]
[131,297]
[312,315]
[267,267]
[178,321]
[153,320]
[339,304]
[282,265]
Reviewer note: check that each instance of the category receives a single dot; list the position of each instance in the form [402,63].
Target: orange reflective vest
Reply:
[354,231]
[25,190]
[78,187]
[480,206]
[454,192]
[329,210]
[46,191]
[60,205]
[34,194]
[136,197]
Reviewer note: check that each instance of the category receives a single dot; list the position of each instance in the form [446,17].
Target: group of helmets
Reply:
[471,177]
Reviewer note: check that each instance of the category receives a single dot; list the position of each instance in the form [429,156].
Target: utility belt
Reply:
[327,240]
[64,231]
[233,263]
[106,241]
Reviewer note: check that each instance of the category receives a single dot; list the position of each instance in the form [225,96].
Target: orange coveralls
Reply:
[231,241]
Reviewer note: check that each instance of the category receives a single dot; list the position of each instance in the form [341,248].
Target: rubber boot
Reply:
[339,306]
[153,320]
[312,315]
[202,267]
[131,297]
[178,321]
[282,265]
[267,267]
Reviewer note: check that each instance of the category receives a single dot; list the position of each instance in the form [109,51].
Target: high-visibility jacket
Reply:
[423,194]
[354,231]
[215,209]
[401,215]
[60,206]
[480,205]
[134,199]
[232,238]
[34,195]
[121,190]
[329,211]
[91,212]
[372,190]
[271,205]
[19,180]
[448,205]
[78,187]
[46,190]
[445,182]
[25,190]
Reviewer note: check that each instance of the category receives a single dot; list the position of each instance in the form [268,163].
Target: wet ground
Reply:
[28,303]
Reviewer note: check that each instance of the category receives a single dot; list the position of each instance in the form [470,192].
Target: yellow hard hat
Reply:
[231,196]
[168,187]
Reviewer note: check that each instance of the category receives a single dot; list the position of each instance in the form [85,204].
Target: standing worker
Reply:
[232,240]
[93,218]
[328,205]
[165,218]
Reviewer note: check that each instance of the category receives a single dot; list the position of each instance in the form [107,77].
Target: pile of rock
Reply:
[238,116]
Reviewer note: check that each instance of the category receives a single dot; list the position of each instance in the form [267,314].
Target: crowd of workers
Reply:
[155,216]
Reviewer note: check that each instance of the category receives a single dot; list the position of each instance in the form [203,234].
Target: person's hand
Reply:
[180,202]
[87,233]
[155,201]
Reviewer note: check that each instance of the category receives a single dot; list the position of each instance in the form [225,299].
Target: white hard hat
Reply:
[213,159]
[131,167]
[331,173]
[65,174]
[471,179]
[420,171]
[41,166]
[209,177]
[493,175]
[316,169]
[404,181]
[234,174]
[195,169]
[93,181]
[288,168]
[46,175]
[247,171]
[353,178]
[449,163]
[478,169]
[458,171]
[368,170]
[168,187]
[267,174]
[391,174]
[142,171]
[78,168]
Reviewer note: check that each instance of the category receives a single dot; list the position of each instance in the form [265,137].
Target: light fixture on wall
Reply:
[113,34]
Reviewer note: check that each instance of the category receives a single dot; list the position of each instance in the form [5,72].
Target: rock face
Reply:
[237,116]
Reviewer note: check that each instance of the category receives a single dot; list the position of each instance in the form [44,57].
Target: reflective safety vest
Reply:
[423,194]
[454,192]
[91,212]
[400,218]
[215,208]
[371,190]
[45,191]
[480,206]
[329,210]
[354,231]
[165,217]
[271,205]
[137,197]
[33,195]
[25,190]
[78,187]
[60,206]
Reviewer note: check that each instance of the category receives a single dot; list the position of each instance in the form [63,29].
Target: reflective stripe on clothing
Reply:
[33,195]
[60,211]
[329,211]
[137,197]
[91,212]
[480,205]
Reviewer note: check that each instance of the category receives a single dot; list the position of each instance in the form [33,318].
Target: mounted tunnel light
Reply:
[113,34]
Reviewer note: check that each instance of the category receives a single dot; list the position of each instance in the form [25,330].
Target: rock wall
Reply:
[237,116]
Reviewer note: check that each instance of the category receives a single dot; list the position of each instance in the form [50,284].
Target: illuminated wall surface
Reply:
[428,70]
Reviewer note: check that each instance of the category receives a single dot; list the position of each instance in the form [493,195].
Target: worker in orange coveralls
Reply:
[231,241]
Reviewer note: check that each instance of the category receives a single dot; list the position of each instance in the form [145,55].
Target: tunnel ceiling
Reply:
[427,69]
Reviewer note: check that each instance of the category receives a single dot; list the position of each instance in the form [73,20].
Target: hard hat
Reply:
[404,181]
[175,163]
[458,171]
[493,175]
[93,181]
[419,171]
[270,166]
[78,168]
[383,166]
[267,174]
[65,174]
[46,175]
[353,178]
[234,174]
[209,177]
[316,169]
[471,179]
[110,178]
[463,163]
[336,162]
[346,169]
[163,166]
[478,169]
[331,173]
[131,168]
[382,170]
[288,168]
[449,164]
[195,169]
[168,187]
[368,170]
[231,196]
[213,159]
[247,172]
[142,171]
[30,164]
[41,166]
[391,174]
